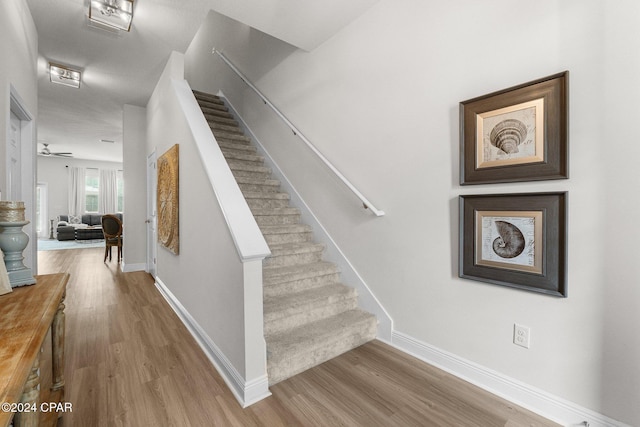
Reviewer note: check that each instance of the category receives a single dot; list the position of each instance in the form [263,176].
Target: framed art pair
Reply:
[514,135]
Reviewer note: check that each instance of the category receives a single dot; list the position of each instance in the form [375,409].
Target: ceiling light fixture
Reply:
[112,13]
[65,76]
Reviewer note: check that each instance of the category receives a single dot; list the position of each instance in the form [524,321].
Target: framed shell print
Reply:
[515,240]
[168,201]
[517,134]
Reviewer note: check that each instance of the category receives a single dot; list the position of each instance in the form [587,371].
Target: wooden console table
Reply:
[26,315]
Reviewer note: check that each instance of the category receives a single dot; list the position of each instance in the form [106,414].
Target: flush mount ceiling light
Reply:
[65,76]
[112,13]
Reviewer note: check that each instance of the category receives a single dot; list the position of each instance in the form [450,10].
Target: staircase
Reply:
[309,316]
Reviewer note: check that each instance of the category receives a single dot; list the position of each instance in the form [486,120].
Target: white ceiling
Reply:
[119,69]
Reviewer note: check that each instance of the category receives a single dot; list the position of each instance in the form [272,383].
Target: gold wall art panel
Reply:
[167,200]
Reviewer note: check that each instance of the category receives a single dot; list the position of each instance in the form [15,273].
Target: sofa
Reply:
[81,227]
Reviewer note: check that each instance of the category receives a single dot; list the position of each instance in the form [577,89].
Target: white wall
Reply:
[207,276]
[134,153]
[19,48]
[380,100]
[54,171]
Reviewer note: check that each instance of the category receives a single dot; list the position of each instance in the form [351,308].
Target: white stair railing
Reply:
[365,202]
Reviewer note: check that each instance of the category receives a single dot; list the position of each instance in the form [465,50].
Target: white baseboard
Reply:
[127,268]
[545,404]
[246,392]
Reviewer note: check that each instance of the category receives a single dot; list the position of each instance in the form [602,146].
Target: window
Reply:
[91,190]
[120,185]
[41,209]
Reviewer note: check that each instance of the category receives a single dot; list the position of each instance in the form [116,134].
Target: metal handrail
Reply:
[365,202]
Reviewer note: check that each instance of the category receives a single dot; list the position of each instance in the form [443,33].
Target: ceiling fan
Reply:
[46,152]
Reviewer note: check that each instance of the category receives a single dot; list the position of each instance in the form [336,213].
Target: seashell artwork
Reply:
[508,134]
[511,241]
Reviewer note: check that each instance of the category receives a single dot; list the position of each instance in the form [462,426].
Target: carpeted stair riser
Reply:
[279,234]
[212,107]
[285,288]
[257,187]
[232,137]
[277,239]
[247,167]
[309,315]
[307,306]
[214,113]
[250,159]
[208,96]
[239,148]
[266,200]
[279,281]
[311,349]
[217,127]
[294,253]
[213,118]
[283,216]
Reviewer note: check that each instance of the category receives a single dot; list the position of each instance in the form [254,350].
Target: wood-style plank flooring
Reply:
[131,362]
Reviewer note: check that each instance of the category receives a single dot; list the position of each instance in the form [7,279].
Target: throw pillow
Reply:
[62,223]
[75,219]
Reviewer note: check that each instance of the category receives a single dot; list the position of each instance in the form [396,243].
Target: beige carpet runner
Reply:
[309,316]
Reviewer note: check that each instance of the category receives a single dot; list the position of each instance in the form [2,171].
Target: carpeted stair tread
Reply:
[231,137]
[269,196]
[286,229]
[298,271]
[216,118]
[208,97]
[212,106]
[276,216]
[284,312]
[247,167]
[210,113]
[242,157]
[284,306]
[252,184]
[263,200]
[295,350]
[241,148]
[219,127]
[295,248]
[294,253]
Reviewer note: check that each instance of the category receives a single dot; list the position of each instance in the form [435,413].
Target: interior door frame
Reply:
[152,230]
[27,142]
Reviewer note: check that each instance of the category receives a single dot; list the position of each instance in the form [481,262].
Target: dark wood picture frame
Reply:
[516,134]
[532,223]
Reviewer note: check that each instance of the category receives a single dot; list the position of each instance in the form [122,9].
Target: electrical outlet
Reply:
[521,335]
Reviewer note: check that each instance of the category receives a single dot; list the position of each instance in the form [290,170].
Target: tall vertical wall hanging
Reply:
[168,183]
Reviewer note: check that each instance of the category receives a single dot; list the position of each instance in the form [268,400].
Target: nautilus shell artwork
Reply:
[511,242]
[508,134]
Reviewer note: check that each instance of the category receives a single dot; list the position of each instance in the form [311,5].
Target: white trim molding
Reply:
[545,404]
[127,268]
[246,392]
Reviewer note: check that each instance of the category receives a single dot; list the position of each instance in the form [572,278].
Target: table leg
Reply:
[57,344]
[30,397]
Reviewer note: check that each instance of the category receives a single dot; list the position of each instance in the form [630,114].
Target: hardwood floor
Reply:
[131,362]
